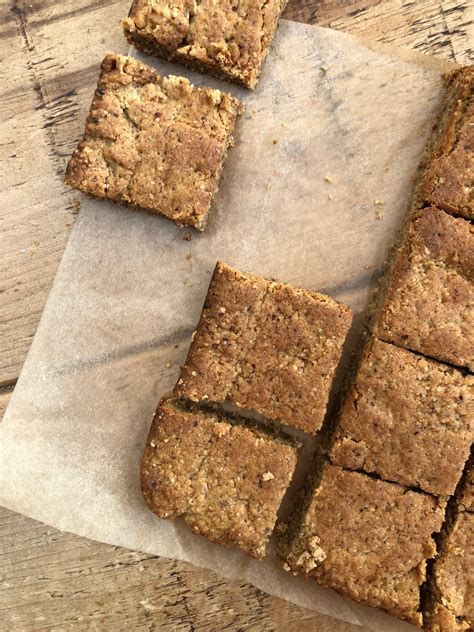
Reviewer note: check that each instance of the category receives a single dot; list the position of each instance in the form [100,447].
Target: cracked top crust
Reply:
[367,539]
[229,38]
[225,478]
[267,347]
[152,142]
[453,608]
[448,179]
[407,419]
[429,305]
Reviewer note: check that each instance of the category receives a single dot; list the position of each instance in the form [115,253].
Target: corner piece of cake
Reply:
[224,475]
[265,347]
[154,143]
[229,39]
[368,539]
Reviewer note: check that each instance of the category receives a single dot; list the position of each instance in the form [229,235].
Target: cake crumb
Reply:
[328,179]
[281,528]
[268,476]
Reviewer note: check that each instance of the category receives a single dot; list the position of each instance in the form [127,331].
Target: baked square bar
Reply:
[225,478]
[365,538]
[407,419]
[266,347]
[154,143]
[451,607]
[448,167]
[429,303]
[229,38]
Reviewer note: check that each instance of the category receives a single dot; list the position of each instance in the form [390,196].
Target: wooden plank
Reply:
[43,103]
[437,28]
[322,12]
[52,580]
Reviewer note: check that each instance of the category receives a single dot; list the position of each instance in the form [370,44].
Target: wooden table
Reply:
[50,53]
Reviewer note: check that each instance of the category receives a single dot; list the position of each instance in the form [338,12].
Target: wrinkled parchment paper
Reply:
[333,126]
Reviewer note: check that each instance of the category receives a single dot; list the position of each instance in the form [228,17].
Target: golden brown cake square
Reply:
[366,538]
[428,305]
[229,38]
[223,475]
[152,142]
[407,419]
[265,347]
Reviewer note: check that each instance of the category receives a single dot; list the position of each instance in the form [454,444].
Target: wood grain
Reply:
[52,580]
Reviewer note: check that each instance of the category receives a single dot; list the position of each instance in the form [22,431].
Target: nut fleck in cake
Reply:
[152,142]
[266,347]
[229,39]
[428,305]
[367,539]
[407,419]
[448,167]
[225,477]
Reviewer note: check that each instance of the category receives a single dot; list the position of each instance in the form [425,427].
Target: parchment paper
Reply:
[130,288]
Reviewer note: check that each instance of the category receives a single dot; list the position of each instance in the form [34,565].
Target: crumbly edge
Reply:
[275,284]
[294,539]
[431,595]
[459,88]
[246,77]
[195,221]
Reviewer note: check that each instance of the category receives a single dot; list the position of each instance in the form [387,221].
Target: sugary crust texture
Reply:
[228,38]
[367,539]
[448,167]
[226,479]
[408,419]
[154,143]
[429,304]
[453,609]
[266,347]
